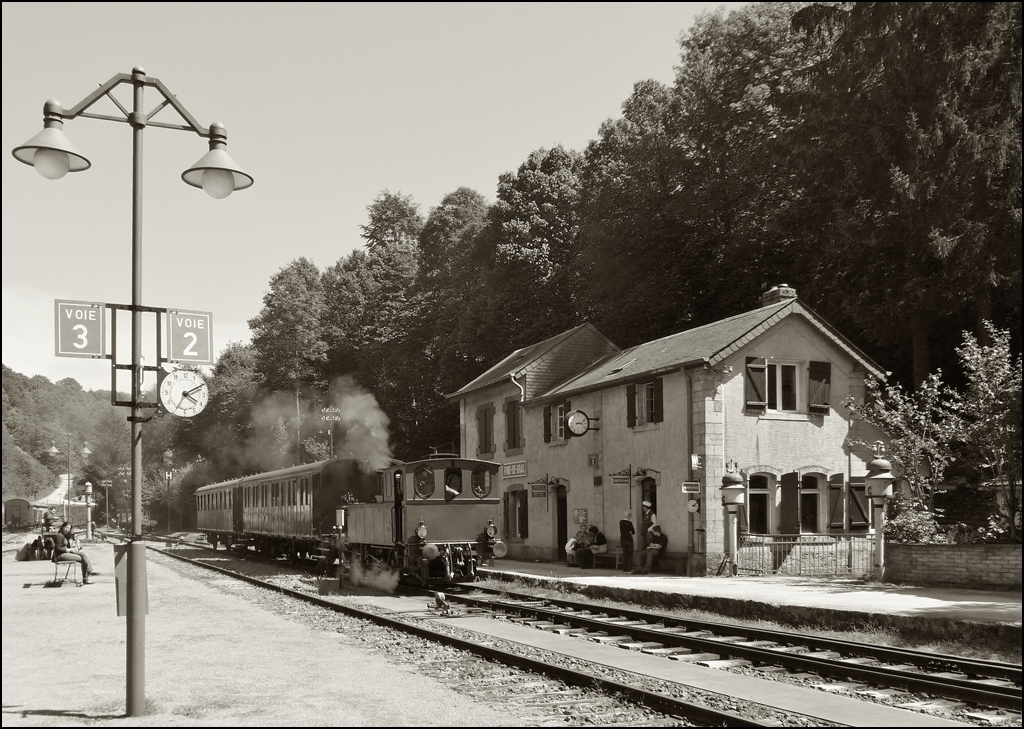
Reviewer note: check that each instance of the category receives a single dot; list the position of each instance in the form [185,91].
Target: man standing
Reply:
[648,521]
[626,532]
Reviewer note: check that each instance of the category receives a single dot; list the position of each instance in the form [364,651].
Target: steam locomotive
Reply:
[432,520]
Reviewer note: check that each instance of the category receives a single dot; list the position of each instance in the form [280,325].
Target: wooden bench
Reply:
[610,559]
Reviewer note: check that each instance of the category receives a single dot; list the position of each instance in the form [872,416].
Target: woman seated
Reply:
[598,545]
[64,550]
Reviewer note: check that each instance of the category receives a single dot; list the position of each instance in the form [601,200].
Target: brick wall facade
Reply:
[993,566]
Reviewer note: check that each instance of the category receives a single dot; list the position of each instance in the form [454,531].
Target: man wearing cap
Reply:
[648,521]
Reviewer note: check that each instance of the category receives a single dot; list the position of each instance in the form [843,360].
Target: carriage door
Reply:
[398,520]
[236,509]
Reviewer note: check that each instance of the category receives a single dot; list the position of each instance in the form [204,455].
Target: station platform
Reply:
[835,603]
[212,659]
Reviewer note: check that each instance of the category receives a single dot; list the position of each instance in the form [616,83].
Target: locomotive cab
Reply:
[434,520]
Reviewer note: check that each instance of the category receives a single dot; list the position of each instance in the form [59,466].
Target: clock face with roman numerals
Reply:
[184,393]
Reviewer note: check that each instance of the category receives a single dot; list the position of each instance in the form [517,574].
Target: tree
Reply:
[289,335]
[530,252]
[908,154]
[989,418]
[288,332]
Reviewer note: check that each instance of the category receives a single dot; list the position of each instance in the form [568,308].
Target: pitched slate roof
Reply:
[577,348]
[709,344]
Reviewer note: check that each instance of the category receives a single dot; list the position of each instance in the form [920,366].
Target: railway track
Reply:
[971,690]
[944,682]
[547,689]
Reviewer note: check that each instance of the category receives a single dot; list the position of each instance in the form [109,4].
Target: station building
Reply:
[758,395]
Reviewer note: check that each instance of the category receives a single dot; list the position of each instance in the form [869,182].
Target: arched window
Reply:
[810,503]
[759,504]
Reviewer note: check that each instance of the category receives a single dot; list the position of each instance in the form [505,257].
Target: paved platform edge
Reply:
[794,615]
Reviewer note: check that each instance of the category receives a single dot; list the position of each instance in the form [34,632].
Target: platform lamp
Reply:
[53,451]
[53,155]
[879,486]
[88,510]
[734,495]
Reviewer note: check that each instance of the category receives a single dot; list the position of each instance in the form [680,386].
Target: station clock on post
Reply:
[183,393]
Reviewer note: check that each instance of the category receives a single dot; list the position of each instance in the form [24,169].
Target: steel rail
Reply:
[702,715]
[976,666]
[962,689]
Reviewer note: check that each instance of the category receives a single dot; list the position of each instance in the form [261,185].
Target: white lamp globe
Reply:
[218,184]
[52,164]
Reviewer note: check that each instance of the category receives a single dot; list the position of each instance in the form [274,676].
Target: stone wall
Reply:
[982,566]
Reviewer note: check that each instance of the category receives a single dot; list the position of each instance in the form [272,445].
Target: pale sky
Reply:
[326,105]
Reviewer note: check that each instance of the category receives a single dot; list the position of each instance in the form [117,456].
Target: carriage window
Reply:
[452,483]
[481,484]
[423,479]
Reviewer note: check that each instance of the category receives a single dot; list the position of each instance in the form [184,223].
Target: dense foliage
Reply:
[868,154]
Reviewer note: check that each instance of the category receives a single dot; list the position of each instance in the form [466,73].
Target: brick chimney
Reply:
[782,292]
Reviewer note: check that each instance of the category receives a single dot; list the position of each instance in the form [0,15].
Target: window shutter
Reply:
[659,410]
[756,383]
[857,499]
[489,428]
[789,504]
[520,426]
[566,409]
[819,381]
[836,520]
[524,525]
[547,424]
[480,432]
[509,425]
[630,406]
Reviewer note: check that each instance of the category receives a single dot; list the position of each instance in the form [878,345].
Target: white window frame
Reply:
[774,371]
[644,403]
[560,418]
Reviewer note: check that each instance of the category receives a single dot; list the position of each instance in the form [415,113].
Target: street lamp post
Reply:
[105,483]
[169,473]
[879,486]
[88,510]
[84,453]
[53,155]
[733,497]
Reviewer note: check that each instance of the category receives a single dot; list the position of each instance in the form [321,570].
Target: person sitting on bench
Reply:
[598,545]
[65,551]
[649,556]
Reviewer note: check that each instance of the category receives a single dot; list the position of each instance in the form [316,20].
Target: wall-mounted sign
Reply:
[516,469]
[691,487]
[579,516]
[620,480]
[539,490]
[696,461]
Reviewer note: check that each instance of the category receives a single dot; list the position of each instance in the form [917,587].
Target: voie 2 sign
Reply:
[190,336]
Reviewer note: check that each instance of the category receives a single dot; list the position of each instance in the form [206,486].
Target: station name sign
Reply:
[513,470]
